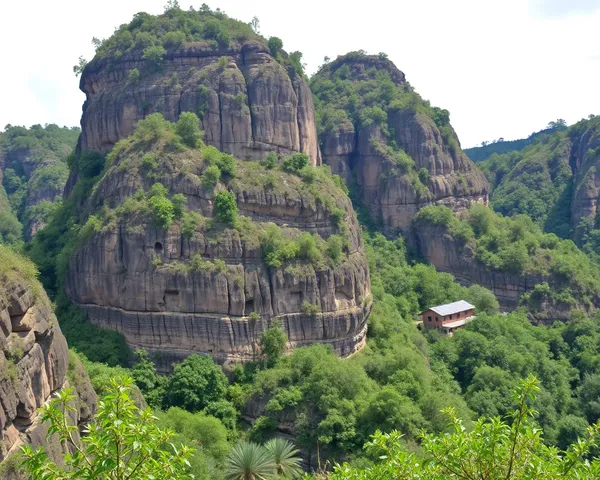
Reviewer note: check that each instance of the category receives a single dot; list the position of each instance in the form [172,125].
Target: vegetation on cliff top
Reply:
[518,246]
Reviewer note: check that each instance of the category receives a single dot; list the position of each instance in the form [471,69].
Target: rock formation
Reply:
[34,363]
[365,152]
[210,290]
[248,103]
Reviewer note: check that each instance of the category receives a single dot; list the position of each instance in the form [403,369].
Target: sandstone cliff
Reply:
[399,152]
[248,103]
[34,363]
[542,293]
[176,290]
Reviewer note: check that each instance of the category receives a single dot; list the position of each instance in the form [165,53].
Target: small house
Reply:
[449,317]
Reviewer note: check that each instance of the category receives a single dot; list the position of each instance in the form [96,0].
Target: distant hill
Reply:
[479,154]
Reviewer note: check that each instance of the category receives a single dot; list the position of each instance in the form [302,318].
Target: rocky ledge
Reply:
[34,364]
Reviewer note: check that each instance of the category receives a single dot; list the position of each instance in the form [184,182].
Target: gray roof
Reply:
[452,308]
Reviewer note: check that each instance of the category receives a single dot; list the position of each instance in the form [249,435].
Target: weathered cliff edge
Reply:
[34,363]
[355,152]
[451,255]
[135,278]
[249,106]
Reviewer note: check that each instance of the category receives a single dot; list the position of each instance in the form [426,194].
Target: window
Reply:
[437,319]
[450,317]
[429,319]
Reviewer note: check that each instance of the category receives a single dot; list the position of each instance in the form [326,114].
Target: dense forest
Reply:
[513,394]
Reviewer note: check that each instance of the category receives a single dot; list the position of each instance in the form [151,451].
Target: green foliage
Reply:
[134,76]
[206,434]
[154,55]
[270,161]
[162,208]
[226,164]
[122,441]
[188,128]
[272,342]
[195,383]
[275,46]
[148,381]
[287,460]
[226,207]
[494,449]
[295,162]
[211,176]
[250,461]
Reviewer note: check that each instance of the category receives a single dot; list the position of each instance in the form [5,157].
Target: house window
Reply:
[450,317]
[429,319]
[437,319]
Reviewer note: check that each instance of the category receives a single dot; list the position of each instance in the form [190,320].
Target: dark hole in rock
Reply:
[158,247]
[249,306]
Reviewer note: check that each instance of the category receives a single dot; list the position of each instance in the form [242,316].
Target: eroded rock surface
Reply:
[248,102]
[34,360]
[355,151]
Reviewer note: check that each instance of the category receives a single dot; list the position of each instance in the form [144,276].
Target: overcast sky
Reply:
[502,68]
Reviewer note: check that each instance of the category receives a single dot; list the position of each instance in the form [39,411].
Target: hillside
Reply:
[396,151]
[33,171]
[552,181]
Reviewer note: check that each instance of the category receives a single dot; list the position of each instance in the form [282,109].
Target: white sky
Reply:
[502,68]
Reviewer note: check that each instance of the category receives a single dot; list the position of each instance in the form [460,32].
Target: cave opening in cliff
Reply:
[158,248]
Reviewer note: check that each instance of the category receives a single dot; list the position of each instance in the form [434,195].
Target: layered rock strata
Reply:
[34,364]
[248,103]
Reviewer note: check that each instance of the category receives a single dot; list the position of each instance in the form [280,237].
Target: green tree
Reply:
[188,128]
[275,45]
[295,162]
[250,461]
[494,449]
[273,342]
[483,299]
[123,442]
[154,54]
[226,207]
[195,383]
[149,382]
[286,458]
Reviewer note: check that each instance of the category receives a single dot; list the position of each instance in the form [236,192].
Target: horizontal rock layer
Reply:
[34,359]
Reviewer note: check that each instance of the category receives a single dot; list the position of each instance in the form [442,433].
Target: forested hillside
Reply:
[239,266]
[34,170]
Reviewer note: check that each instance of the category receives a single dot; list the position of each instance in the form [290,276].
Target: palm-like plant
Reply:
[286,457]
[250,461]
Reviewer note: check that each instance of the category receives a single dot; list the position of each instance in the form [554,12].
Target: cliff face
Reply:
[585,158]
[448,254]
[34,363]
[400,159]
[140,279]
[248,103]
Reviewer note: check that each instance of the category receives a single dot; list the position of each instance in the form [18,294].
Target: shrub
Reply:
[226,207]
[310,308]
[163,210]
[308,174]
[149,162]
[173,39]
[188,128]
[179,202]
[275,46]
[134,76]
[223,61]
[335,246]
[295,162]
[211,176]
[226,164]
[307,248]
[154,55]
[270,161]
[424,176]
[277,249]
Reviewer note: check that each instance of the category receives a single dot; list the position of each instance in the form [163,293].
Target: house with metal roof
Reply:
[448,317]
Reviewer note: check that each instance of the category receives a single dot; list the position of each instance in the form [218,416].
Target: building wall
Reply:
[438,320]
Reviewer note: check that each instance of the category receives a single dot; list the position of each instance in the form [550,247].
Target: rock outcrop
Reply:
[34,364]
[248,103]
[140,279]
[449,254]
[363,151]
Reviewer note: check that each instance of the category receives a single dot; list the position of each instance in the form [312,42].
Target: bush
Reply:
[188,128]
[211,176]
[179,202]
[275,248]
[307,248]
[173,39]
[154,55]
[335,246]
[191,222]
[134,76]
[162,208]
[275,46]
[424,176]
[226,164]
[309,308]
[295,162]
[270,161]
[226,207]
